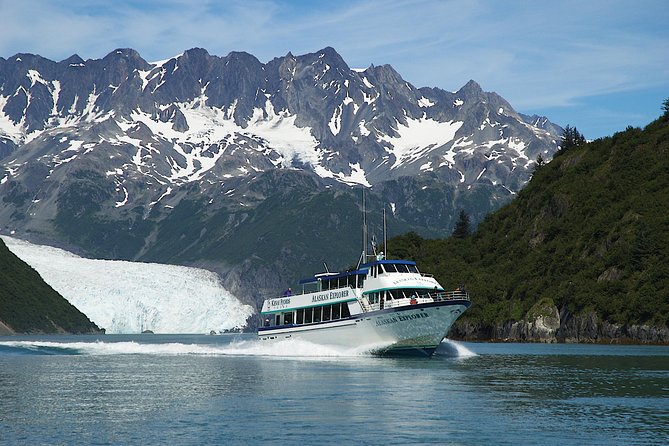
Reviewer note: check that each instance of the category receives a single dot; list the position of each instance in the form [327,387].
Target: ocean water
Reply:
[229,389]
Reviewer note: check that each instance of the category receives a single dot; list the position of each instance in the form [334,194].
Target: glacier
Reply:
[130,297]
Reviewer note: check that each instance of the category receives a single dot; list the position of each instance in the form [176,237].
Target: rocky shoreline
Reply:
[553,326]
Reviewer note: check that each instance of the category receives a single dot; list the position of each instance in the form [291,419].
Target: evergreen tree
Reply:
[665,108]
[570,138]
[461,229]
[540,162]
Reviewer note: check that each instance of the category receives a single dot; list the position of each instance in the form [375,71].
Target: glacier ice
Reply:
[130,297]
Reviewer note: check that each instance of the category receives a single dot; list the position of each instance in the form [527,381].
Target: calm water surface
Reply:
[173,390]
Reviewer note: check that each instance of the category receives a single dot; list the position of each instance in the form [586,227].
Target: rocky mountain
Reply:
[178,160]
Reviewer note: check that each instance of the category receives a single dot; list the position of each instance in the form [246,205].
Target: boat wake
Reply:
[290,348]
[287,348]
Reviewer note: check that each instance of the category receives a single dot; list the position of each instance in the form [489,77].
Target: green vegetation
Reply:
[29,305]
[589,232]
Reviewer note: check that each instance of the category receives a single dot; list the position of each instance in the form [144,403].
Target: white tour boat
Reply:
[388,304]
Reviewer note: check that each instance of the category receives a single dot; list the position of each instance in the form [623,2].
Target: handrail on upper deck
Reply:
[449,295]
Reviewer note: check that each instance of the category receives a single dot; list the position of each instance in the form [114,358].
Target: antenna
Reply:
[385,233]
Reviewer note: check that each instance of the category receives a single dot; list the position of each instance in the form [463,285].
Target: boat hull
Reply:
[413,330]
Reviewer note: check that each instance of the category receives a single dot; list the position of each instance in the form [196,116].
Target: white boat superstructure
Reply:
[386,303]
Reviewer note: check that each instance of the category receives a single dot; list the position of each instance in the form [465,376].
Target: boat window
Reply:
[300,316]
[344,310]
[413,269]
[381,269]
[287,318]
[307,315]
[402,268]
[391,268]
[326,312]
[317,314]
[396,294]
[277,319]
[335,311]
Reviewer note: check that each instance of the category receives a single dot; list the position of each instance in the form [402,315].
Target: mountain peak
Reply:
[72,60]
[127,53]
[195,53]
[471,87]
[327,54]
[329,51]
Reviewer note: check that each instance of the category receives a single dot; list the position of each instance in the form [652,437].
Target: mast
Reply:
[364,228]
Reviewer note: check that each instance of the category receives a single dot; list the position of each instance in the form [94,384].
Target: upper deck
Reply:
[380,279]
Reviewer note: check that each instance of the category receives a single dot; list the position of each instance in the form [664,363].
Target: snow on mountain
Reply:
[202,118]
[130,297]
[418,137]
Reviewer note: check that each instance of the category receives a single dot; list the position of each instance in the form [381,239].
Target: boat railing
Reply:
[450,295]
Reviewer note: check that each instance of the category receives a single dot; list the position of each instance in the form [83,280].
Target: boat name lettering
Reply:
[408,317]
[412,279]
[390,320]
[329,296]
[401,318]
[279,302]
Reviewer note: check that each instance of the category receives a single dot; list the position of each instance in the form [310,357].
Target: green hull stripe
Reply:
[286,310]
[401,288]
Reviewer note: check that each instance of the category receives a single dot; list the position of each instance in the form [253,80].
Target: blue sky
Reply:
[599,65]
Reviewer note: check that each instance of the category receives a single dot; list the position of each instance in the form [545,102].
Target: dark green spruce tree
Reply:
[462,229]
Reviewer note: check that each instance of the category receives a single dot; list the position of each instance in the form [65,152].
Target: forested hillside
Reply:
[584,247]
[29,305]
